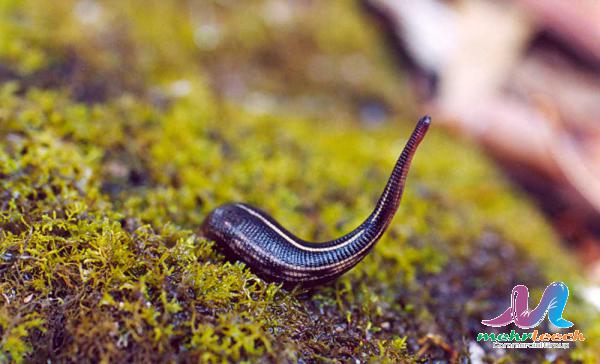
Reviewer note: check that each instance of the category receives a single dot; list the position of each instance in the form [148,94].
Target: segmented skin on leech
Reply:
[245,233]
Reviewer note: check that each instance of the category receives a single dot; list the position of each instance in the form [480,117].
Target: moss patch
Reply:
[109,163]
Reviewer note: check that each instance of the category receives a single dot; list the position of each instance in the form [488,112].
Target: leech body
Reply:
[247,234]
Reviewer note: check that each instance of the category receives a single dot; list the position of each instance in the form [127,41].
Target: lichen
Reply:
[118,134]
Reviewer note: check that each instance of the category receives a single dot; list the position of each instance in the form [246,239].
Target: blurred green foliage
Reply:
[123,123]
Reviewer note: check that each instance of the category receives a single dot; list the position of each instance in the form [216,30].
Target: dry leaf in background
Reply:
[523,80]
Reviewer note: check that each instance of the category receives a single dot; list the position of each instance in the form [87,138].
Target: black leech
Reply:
[248,234]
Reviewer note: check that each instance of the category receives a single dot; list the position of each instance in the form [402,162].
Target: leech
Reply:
[245,233]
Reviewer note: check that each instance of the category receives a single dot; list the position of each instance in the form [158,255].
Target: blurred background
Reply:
[521,79]
[123,123]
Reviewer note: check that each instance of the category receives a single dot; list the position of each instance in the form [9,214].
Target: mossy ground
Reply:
[123,123]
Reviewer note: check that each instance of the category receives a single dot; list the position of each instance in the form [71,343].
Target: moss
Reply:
[104,180]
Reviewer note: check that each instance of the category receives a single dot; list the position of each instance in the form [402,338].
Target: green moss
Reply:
[104,179]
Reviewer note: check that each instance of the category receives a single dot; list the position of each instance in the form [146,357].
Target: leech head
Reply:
[390,198]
